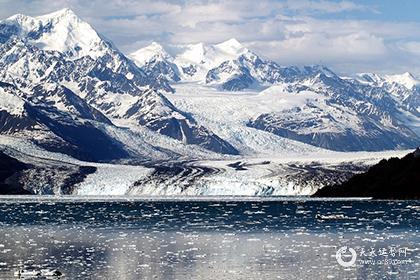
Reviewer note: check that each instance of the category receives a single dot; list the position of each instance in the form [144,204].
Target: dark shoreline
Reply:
[394,179]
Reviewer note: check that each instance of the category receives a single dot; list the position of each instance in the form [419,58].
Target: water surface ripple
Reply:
[209,239]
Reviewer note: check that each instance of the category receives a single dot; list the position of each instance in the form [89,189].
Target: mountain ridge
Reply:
[63,69]
[102,78]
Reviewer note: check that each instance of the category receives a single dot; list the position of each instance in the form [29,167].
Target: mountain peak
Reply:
[369,78]
[406,79]
[408,75]
[152,51]
[61,31]
[231,46]
[156,46]
[61,13]
[17,17]
[319,69]
[193,53]
[22,19]
[232,42]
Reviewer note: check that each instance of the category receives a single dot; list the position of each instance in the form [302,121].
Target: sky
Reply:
[350,37]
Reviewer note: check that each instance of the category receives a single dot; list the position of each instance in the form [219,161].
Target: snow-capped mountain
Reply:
[196,60]
[48,125]
[230,75]
[406,79]
[68,74]
[404,88]
[192,62]
[65,88]
[156,62]
[228,65]
[371,112]
[154,51]
[61,31]
[60,49]
[159,114]
[334,113]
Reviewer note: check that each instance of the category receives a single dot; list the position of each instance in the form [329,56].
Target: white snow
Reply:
[207,57]
[23,148]
[11,103]
[145,143]
[278,98]
[68,33]
[111,179]
[406,79]
[231,47]
[411,121]
[226,114]
[146,54]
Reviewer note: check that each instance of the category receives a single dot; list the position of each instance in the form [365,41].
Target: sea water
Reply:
[210,238]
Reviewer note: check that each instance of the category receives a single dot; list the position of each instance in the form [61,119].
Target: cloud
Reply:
[412,47]
[325,6]
[320,47]
[290,31]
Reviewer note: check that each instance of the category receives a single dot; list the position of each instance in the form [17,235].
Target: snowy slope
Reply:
[228,65]
[276,109]
[345,116]
[95,81]
[208,120]
[250,120]
[404,89]
[196,60]
[75,40]
[406,79]
[11,103]
[61,31]
[227,115]
[53,128]
[154,51]
[191,63]
[107,179]
[156,63]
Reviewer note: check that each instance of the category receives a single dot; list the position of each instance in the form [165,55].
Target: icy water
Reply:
[164,239]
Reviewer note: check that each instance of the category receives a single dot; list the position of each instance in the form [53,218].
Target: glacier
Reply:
[203,119]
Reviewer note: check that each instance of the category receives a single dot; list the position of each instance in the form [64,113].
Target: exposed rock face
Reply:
[231,75]
[375,136]
[58,120]
[337,114]
[367,113]
[176,124]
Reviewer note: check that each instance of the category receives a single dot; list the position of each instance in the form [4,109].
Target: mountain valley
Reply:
[204,120]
